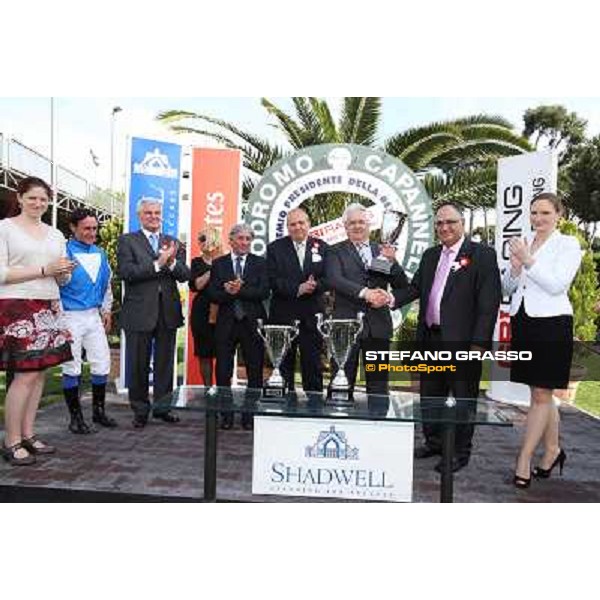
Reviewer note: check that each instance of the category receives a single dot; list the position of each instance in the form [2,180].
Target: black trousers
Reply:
[310,342]
[376,383]
[244,334]
[435,389]
[138,353]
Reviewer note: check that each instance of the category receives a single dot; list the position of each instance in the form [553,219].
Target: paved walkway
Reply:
[167,460]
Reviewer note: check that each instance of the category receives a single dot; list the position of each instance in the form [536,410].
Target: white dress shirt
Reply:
[544,286]
[157,234]
[234,261]
[300,248]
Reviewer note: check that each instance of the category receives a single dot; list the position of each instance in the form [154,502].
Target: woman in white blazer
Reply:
[542,268]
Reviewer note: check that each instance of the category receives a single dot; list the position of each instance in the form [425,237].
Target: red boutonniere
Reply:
[462,262]
[315,248]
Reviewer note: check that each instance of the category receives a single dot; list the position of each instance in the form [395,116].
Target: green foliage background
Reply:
[584,293]
[109,236]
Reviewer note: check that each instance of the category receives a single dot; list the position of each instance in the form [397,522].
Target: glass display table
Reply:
[395,407]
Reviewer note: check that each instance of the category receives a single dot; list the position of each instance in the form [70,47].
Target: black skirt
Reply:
[550,340]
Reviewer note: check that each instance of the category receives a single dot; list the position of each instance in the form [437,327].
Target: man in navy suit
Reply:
[150,265]
[458,287]
[348,275]
[239,285]
[296,268]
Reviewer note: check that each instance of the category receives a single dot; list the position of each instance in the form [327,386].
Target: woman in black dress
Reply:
[542,268]
[203,312]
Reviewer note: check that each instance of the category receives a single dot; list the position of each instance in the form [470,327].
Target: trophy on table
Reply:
[340,335]
[278,340]
[391,228]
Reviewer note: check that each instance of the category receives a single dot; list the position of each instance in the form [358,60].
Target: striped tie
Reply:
[362,250]
[154,242]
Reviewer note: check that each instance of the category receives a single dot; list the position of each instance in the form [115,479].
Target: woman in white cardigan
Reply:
[542,268]
[32,263]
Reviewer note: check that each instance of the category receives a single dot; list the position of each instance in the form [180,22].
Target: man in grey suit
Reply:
[347,274]
[150,265]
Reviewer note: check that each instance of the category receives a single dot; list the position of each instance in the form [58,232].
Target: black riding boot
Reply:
[77,424]
[98,414]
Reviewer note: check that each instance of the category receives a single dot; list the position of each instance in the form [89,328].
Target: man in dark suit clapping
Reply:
[296,268]
[347,271]
[150,265]
[239,285]
[458,287]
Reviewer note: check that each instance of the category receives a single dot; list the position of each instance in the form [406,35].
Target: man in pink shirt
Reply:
[458,287]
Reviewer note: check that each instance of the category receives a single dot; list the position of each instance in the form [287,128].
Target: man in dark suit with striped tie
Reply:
[347,274]
[150,265]
[296,267]
[239,285]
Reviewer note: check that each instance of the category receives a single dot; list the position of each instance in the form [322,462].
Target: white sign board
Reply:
[328,458]
[520,179]
[334,231]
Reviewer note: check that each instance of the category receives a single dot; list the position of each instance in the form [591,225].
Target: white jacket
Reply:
[545,285]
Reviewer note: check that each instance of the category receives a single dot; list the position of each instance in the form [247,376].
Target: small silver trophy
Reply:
[278,340]
[340,335]
[391,228]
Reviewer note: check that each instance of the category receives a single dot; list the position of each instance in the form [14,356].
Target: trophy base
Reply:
[380,266]
[340,397]
[379,275]
[272,393]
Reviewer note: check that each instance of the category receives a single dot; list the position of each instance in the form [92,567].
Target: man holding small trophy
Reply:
[361,273]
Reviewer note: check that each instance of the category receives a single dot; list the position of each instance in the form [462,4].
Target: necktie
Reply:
[238,267]
[362,251]
[300,251]
[432,316]
[238,310]
[154,242]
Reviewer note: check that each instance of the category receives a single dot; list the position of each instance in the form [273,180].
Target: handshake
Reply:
[378,298]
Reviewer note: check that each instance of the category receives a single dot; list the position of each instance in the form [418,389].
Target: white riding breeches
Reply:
[88,333]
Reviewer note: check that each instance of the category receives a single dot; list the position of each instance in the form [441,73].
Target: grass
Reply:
[588,392]
[588,397]
[52,389]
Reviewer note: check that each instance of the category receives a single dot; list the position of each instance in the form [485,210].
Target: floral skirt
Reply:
[31,336]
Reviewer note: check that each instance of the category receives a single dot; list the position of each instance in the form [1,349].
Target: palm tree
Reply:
[456,158]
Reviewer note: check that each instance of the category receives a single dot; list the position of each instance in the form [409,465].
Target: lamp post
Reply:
[53,168]
[96,164]
[115,110]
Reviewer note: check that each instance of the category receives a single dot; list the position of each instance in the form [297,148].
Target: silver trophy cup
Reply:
[340,335]
[278,340]
[391,228]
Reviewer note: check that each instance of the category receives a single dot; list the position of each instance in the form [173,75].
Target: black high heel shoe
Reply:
[540,473]
[521,482]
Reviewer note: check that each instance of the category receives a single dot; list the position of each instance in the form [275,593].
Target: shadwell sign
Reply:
[329,458]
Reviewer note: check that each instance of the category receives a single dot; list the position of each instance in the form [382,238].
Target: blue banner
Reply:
[155,173]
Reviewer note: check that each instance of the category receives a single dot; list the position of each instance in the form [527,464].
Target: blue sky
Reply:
[83,124]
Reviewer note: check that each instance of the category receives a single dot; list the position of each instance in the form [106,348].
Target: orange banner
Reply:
[216,204]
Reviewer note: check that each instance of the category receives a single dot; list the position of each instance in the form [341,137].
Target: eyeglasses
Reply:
[447,222]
